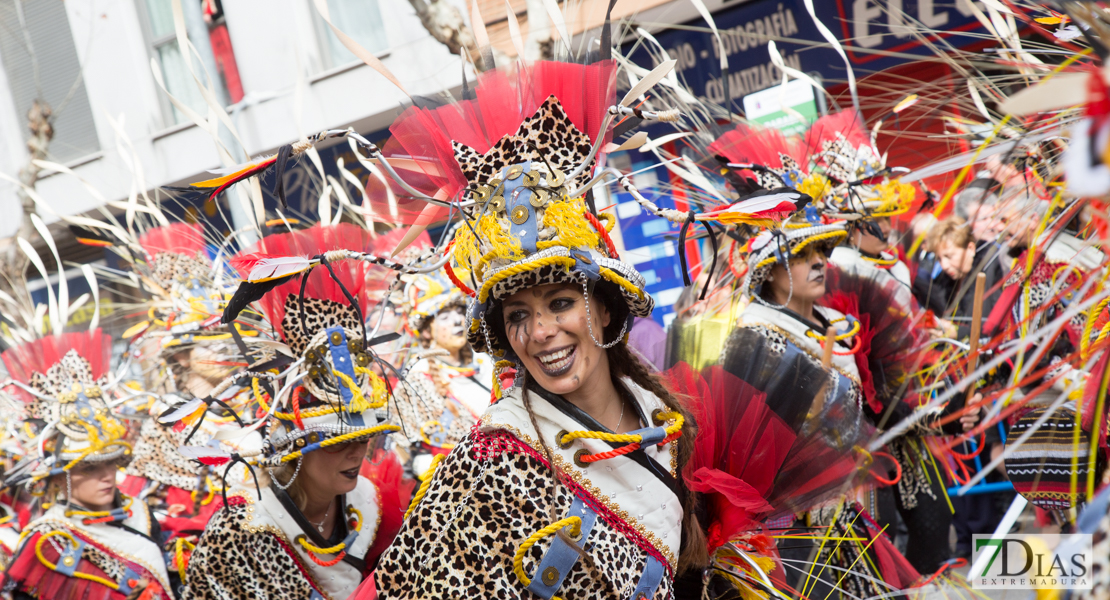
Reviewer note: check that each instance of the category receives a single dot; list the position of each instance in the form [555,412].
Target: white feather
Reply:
[777,60]
[761,240]
[560,24]
[828,35]
[762,203]
[277,267]
[182,411]
[63,286]
[514,31]
[199,452]
[658,142]
[631,143]
[91,278]
[648,82]
[705,14]
[52,305]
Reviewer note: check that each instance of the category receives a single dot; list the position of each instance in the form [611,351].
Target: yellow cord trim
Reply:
[358,403]
[608,220]
[96,514]
[626,438]
[614,277]
[828,235]
[426,482]
[575,525]
[538,263]
[336,549]
[882,262]
[346,437]
[179,556]
[53,567]
[843,336]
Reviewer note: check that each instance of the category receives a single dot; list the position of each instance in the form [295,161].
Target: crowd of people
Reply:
[350,409]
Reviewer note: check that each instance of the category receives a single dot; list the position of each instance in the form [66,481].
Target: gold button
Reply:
[68,561]
[556,179]
[336,338]
[514,172]
[550,576]
[497,203]
[519,215]
[299,443]
[481,193]
[539,197]
[585,260]
[494,184]
[578,458]
[531,179]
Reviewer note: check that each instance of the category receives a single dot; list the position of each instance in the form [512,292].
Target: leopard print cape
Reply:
[419,401]
[252,550]
[155,456]
[494,490]
[109,548]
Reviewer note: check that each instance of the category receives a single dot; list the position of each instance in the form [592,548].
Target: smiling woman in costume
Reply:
[317,528]
[92,542]
[446,385]
[571,484]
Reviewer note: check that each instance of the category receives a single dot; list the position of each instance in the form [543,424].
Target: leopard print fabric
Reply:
[156,458]
[418,401]
[319,314]
[60,377]
[233,561]
[552,133]
[111,565]
[481,505]
[1100,563]
[170,267]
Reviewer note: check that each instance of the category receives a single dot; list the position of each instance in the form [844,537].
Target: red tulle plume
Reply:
[760,146]
[849,305]
[830,128]
[38,356]
[420,149]
[178,238]
[740,446]
[394,491]
[357,276]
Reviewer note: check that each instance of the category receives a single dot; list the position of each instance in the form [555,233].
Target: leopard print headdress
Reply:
[63,381]
[319,314]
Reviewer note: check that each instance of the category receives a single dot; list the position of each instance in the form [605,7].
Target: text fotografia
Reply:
[1028,561]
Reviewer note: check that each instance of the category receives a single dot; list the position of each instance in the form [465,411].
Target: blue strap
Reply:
[586,264]
[341,358]
[124,584]
[560,557]
[528,231]
[650,435]
[73,555]
[445,421]
[649,579]
[316,596]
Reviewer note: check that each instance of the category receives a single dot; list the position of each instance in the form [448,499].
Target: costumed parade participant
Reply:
[446,385]
[582,455]
[316,525]
[193,348]
[92,541]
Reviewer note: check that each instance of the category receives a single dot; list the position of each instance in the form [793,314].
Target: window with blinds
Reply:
[40,59]
[359,19]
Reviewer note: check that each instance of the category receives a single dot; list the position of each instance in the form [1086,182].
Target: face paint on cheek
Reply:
[559,320]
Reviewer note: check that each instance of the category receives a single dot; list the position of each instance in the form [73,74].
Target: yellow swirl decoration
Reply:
[575,529]
[53,567]
[626,438]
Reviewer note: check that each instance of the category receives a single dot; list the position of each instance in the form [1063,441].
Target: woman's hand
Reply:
[971,419]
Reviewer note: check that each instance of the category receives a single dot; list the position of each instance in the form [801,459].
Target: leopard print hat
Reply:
[529,232]
[780,244]
[63,380]
[333,394]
